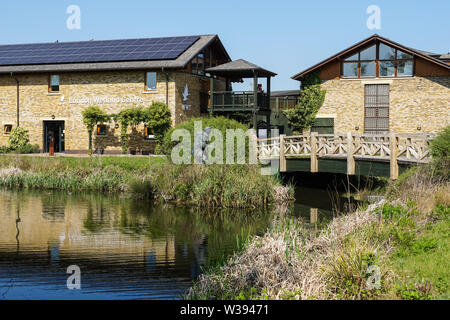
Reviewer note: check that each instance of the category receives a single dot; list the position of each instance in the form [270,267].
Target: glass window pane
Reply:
[386,52]
[352,58]
[405,68]
[194,65]
[403,55]
[367,69]
[54,83]
[54,80]
[200,64]
[151,80]
[386,69]
[350,69]
[369,53]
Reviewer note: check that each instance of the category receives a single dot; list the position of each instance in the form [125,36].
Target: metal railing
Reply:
[238,101]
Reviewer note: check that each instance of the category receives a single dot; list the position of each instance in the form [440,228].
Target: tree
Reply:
[93,115]
[158,119]
[311,98]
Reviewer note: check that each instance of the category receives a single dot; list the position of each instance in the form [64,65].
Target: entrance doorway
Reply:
[55,129]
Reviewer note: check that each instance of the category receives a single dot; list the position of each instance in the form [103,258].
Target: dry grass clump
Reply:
[283,194]
[291,262]
[9,171]
[423,188]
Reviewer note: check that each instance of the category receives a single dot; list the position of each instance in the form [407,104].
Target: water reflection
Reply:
[125,248]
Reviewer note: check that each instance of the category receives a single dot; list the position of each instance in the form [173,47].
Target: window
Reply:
[199,64]
[369,53]
[367,69]
[386,52]
[54,83]
[150,81]
[7,129]
[148,133]
[387,69]
[323,126]
[376,108]
[101,130]
[405,68]
[351,69]
[378,60]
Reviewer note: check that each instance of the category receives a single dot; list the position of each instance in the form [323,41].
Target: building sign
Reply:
[107,99]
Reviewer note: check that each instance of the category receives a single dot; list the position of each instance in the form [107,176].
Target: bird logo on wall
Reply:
[185,93]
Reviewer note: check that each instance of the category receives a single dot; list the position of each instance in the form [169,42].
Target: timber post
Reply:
[314,156]
[255,100]
[350,157]
[282,154]
[393,145]
[211,95]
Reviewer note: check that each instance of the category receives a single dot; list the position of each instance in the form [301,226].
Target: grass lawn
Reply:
[428,258]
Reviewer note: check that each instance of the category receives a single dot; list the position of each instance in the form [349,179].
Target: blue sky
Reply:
[282,36]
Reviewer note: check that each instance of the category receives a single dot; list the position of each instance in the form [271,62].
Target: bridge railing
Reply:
[392,147]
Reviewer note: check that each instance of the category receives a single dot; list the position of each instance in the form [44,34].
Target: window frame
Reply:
[5,132]
[146,88]
[98,131]
[377,63]
[50,87]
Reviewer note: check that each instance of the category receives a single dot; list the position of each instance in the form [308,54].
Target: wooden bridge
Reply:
[361,154]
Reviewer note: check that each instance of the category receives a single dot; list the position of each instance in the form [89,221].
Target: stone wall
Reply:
[38,105]
[414,102]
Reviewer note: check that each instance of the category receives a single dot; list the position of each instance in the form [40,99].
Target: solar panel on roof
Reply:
[96,51]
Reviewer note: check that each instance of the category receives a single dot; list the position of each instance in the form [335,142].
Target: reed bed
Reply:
[231,186]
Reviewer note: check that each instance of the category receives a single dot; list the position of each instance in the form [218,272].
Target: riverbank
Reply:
[394,249]
[232,186]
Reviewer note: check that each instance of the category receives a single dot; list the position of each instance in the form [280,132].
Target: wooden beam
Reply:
[393,145]
[350,157]
[314,214]
[314,156]
[255,101]
[282,154]
[211,95]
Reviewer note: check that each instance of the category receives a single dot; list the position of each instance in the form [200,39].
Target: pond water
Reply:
[125,249]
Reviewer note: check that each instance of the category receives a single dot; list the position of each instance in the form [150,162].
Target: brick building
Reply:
[378,85]
[45,87]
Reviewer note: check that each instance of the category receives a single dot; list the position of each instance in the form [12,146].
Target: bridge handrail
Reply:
[409,147]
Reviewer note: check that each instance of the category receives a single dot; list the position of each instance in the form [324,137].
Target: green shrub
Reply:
[158,119]
[413,292]
[93,115]
[440,146]
[311,98]
[220,123]
[4,149]
[440,150]
[19,137]
[28,148]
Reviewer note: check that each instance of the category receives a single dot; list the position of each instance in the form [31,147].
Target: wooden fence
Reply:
[392,148]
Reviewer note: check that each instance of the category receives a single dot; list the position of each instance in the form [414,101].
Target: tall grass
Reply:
[235,186]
